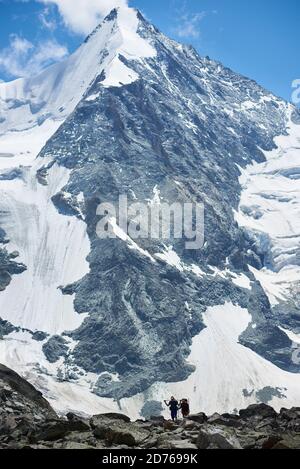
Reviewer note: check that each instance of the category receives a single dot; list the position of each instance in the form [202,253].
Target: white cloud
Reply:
[82,16]
[21,58]
[189,25]
[19,44]
[47,19]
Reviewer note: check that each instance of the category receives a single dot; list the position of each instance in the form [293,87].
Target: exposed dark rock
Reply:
[15,173]
[199,418]
[217,438]
[97,419]
[42,173]
[22,408]
[290,414]
[66,204]
[55,348]
[6,328]
[226,421]
[8,266]
[81,423]
[3,238]
[117,429]
[57,429]
[13,383]
[258,410]
[151,409]
[39,336]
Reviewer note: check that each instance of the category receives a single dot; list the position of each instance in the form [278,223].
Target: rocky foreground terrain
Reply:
[28,421]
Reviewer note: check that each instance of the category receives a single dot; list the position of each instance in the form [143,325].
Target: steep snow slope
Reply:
[52,246]
[216,351]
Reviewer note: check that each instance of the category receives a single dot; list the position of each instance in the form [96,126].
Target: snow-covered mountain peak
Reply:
[55,92]
[32,109]
[123,34]
[123,41]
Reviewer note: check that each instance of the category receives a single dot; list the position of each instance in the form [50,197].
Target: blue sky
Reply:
[258,38]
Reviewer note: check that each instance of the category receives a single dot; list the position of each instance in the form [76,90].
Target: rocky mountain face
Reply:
[28,422]
[21,405]
[136,113]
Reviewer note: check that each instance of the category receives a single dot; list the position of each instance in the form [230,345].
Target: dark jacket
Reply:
[173,405]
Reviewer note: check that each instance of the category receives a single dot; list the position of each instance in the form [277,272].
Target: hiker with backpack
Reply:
[185,408]
[174,407]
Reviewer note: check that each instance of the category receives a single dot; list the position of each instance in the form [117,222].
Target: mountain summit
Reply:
[55,92]
[104,324]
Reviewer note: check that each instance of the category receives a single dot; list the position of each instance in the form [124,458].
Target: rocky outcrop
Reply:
[55,348]
[8,265]
[22,408]
[16,394]
[28,421]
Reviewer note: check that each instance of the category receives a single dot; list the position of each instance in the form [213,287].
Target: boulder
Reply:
[258,410]
[98,419]
[169,425]
[199,418]
[55,430]
[157,420]
[19,395]
[231,416]
[120,433]
[150,442]
[190,425]
[289,414]
[80,423]
[115,416]
[228,421]
[217,438]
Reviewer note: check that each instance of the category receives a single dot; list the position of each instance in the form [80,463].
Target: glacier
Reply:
[272,188]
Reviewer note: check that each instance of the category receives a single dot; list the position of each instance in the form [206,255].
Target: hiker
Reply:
[173,405]
[185,408]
